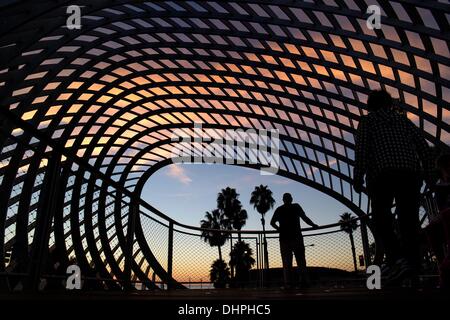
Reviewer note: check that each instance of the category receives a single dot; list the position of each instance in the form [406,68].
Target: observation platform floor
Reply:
[223,295]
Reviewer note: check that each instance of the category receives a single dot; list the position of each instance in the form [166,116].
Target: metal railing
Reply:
[328,250]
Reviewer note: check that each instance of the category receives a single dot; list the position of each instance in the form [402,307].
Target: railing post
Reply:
[231,250]
[262,258]
[170,253]
[257,261]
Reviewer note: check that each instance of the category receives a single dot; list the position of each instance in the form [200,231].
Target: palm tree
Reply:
[241,258]
[228,202]
[219,274]
[262,201]
[215,220]
[348,225]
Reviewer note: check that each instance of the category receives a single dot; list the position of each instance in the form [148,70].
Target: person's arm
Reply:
[274,220]
[305,218]
[361,148]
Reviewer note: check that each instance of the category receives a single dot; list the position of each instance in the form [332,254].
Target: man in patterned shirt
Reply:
[394,157]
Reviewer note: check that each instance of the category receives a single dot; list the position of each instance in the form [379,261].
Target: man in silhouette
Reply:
[394,157]
[291,240]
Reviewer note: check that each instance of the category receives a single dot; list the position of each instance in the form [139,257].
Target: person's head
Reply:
[379,99]
[443,164]
[287,198]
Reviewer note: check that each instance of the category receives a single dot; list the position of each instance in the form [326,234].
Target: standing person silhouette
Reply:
[291,240]
[394,157]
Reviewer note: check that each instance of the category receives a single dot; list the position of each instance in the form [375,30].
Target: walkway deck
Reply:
[322,294]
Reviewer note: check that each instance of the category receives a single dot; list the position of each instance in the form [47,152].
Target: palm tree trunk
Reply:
[220,252]
[266,253]
[353,251]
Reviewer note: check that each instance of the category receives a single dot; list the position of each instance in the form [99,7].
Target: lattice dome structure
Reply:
[89,114]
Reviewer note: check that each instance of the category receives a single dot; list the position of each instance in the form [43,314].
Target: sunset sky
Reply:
[186,191]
